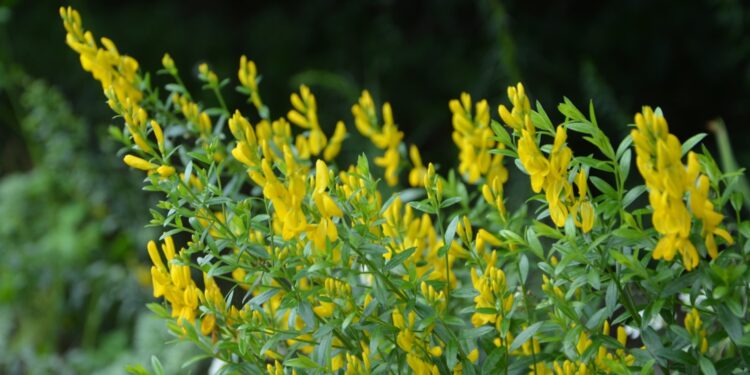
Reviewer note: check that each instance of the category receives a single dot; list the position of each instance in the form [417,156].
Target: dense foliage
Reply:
[274,258]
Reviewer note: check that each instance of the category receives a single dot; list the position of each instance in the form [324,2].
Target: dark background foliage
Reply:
[690,58]
[61,175]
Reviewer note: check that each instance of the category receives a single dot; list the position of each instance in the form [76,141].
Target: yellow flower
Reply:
[418,171]
[658,157]
[473,136]
[492,287]
[703,209]
[334,145]
[694,326]
[173,281]
[248,76]
[305,112]
[386,137]
[390,162]
[531,157]
[107,65]
[138,163]
[521,108]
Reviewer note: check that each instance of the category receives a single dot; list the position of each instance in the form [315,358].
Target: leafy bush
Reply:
[273,258]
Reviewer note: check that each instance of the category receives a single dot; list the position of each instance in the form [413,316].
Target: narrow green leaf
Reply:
[707,367]
[610,299]
[525,336]
[399,258]
[423,206]
[500,132]
[450,232]
[632,195]
[603,186]
[263,297]
[731,324]
[624,145]
[476,332]
[523,268]
[534,244]
[301,362]
[691,142]
[449,202]
[156,365]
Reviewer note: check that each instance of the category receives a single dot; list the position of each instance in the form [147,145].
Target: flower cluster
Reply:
[694,327]
[549,174]
[385,137]
[659,160]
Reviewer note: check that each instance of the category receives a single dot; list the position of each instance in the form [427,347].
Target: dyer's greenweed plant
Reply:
[292,264]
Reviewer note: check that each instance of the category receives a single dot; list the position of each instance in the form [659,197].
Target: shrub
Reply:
[275,259]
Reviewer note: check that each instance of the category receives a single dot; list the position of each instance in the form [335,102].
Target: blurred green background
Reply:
[73,273]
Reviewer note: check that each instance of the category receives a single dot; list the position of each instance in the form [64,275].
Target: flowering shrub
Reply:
[273,258]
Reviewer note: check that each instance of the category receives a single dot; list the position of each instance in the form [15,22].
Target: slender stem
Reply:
[529,316]
[223,105]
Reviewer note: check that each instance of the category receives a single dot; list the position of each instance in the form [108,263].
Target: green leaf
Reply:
[595,163]
[523,268]
[610,299]
[477,332]
[495,362]
[525,336]
[534,244]
[707,368]
[624,145]
[465,292]
[603,186]
[691,142]
[156,365]
[423,206]
[632,195]
[512,236]
[451,353]
[399,258]
[625,165]
[731,324]
[301,362]
[158,309]
[263,297]
[449,202]
[570,111]
[450,232]
[500,132]
[582,127]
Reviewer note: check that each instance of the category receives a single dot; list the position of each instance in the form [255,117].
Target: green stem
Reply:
[529,316]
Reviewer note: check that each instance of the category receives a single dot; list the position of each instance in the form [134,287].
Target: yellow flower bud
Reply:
[165,170]
[138,163]
[168,63]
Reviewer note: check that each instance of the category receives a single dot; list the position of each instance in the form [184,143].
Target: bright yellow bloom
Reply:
[694,326]
[248,76]
[473,136]
[138,163]
[390,162]
[386,136]
[703,209]
[334,145]
[492,287]
[107,65]
[516,118]
[246,150]
[173,281]
[659,155]
[418,171]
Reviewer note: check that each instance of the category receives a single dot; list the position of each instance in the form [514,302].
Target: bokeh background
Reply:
[73,272]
